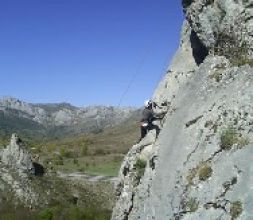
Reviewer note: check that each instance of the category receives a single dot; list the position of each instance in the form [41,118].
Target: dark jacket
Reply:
[147,115]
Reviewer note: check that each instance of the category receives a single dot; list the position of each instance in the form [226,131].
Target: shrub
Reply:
[228,138]
[204,172]
[140,166]
[235,209]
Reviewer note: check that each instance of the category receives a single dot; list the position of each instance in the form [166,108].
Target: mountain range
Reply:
[57,120]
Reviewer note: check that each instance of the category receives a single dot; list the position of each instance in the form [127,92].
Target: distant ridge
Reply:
[56,120]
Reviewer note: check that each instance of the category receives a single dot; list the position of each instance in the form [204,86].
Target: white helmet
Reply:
[147,103]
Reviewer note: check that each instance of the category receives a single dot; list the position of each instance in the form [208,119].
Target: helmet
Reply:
[147,103]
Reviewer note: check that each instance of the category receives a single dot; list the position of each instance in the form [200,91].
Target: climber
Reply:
[148,116]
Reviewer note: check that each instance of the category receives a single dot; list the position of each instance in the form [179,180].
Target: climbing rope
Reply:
[137,72]
[134,76]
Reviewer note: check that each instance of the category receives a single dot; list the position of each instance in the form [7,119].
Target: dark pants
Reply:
[144,130]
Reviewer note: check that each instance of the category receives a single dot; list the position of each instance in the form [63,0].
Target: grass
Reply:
[107,165]
[66,201]
[107,169]
[228,138]
[95,154]
[54,213]
[98,154]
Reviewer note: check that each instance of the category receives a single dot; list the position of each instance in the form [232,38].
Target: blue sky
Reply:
[86,52]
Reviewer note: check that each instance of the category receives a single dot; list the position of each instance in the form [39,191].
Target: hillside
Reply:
[29,191]
[200,165]
[50,121]
[100,153]
[34,173]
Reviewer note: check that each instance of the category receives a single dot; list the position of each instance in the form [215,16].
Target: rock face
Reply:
[212,18]
[199,167]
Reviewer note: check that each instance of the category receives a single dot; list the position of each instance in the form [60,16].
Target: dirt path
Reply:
[85,176]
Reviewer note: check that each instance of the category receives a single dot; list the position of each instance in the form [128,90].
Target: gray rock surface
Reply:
[16,156]
[190,138]
[200,165]
[210,19]
[16,173]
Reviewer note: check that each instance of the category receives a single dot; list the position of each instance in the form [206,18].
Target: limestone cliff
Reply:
[18,183]
[200,165]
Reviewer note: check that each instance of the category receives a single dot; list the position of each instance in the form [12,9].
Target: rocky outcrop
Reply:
[211,17]
[216,20]
[16,156]
[199,166]
[17,176]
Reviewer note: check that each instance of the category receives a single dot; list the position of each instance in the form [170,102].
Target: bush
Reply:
[65,153]
[229,137]
[204,172]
